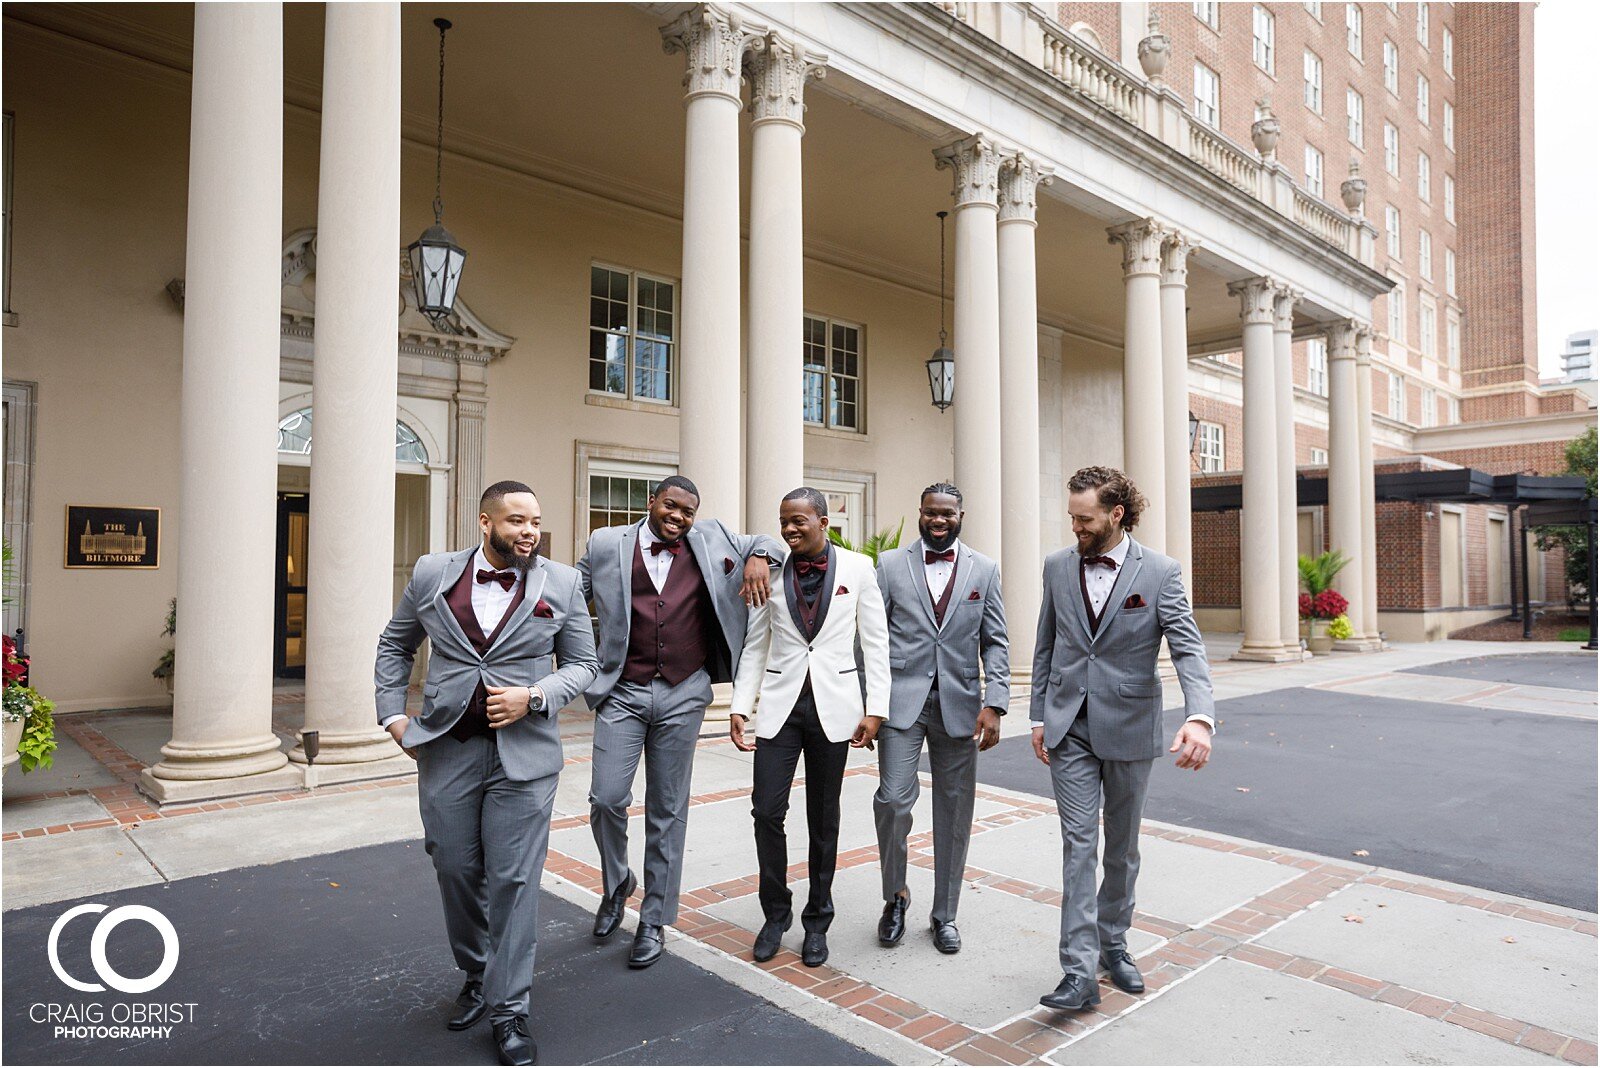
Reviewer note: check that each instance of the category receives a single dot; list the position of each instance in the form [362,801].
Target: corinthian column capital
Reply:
[975,164]
[1257,298]
[1342,339]
[1020,179]
[1283,302]
[1363,344]
[715,41]
[1141,245]
[778,68]
[1175,249]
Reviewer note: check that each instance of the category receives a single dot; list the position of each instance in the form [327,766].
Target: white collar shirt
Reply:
[656,565]
[489,599]
[1098,579]
[940,572]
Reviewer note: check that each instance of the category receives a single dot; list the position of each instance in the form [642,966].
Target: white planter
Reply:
[13,738]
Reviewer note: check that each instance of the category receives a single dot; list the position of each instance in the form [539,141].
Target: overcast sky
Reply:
[1566,172]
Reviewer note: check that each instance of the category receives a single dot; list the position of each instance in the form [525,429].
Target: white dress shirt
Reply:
[1098,578]
[656,565]
[940,572]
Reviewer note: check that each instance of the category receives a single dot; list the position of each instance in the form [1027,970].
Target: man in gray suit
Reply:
[945,616]
[672,597]
[488,751]
[1096,712]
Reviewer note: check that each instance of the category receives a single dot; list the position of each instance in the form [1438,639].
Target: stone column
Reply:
[222,741]
[351,591]
[709,395]
[1260,577]
[471,417]
[975,163]
[775,426]
[1345,515]
[1288,503]
[1020,178]
[1368,627]
[1175,252]
[1143,393]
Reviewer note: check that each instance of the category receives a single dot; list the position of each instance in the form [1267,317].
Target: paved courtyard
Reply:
[1406,899]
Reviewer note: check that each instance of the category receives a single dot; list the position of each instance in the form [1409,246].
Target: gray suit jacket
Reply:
[1111,674]
[921,651]
[606,574]
[525,654]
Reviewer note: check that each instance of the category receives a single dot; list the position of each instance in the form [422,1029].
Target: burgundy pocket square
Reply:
[840,590]
[973,596]
[543,610]
[727,565]
[1134,601]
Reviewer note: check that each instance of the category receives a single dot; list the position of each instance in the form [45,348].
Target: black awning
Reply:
[1453,485]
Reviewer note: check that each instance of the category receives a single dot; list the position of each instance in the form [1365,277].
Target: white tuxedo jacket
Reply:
[777,658]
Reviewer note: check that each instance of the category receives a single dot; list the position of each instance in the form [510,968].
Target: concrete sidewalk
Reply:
[1254,953]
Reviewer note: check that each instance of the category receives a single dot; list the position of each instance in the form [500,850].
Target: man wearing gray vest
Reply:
[672,596]
[499,620]
[945,617]
[1096,712]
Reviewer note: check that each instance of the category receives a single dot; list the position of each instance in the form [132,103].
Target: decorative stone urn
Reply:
[1155,51]
[1265,130]
[1353,190]
[12,740]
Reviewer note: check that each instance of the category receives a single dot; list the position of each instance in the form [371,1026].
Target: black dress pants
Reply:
[776,759]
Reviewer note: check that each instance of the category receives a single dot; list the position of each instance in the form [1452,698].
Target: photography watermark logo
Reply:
[117,1019]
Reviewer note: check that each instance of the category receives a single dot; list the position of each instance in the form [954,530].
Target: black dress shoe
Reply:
[609,916]
[512,1041]
[1074,992]
[647,945]
[769,939]
[946,939]
[470,1004]
[815,949]
[892,925]
[1124,974]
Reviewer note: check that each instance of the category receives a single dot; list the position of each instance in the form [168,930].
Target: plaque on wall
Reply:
[113,537]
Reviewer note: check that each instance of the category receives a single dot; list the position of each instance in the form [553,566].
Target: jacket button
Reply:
[1080,689]
[930,674]
[1091,656]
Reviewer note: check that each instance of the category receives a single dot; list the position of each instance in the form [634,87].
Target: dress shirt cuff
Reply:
[383,724]
[1201,717]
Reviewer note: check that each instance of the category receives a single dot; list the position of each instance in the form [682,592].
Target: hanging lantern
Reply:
[436,259]
[1194,429]
[942,364]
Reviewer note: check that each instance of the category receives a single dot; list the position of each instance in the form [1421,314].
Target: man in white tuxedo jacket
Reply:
[800,661]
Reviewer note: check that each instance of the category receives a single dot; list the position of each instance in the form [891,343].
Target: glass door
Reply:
[289,629]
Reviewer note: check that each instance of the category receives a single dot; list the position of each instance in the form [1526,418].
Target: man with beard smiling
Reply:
[672,595]
[945,617]
[1096,712]
[487,746]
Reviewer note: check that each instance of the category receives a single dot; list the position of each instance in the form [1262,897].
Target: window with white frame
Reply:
[1430,407]
[1391,67]
[1449,198]
[1422,24]
[1314,9]
[1207,93]
[632,334]
[1450,271]
[1391,230]
[1391,149]
[619,492]
[1352,29]
[1397,396]
[832,353]
[1424,178]
[1428,327]
[5,207]
[1319,457]
[1206,13]
[1313,80]
[1313,171]
[1449,50]
[1452,340]
[1422,99]
[1353,109]
[1208,446]
[1449,126]
[1263,33]
[1317,366]
[1425,254]
[1397,314]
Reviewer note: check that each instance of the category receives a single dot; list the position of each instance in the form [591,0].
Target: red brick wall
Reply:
[1104,19]
[1537,458]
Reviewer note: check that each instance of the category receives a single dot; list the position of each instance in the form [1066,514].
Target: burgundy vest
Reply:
[1088,602]
[668,633]
[475,720]
[943,602]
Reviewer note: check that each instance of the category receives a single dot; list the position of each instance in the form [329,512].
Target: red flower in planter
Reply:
[1305,606]
[1329,604]
[15,666]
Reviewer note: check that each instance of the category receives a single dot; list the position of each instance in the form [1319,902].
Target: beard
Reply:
[507,549]
[939,545]
[1095,544]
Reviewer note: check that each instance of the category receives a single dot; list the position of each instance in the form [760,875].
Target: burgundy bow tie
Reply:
[805,567]
[507,579]
[659,547]
[929,556]
[1090,561]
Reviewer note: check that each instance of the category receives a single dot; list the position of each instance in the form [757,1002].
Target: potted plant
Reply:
[30,733]
[875,545]
[1316,605]
[165,666]
[1340,628]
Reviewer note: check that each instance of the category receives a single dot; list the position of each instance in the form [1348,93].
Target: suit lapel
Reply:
[702,556]
[532,590]
[825,595]
[1075,593]
[919,582]
[791,595]
[958,581]
[1126,574]
[627,545]
[448,578]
